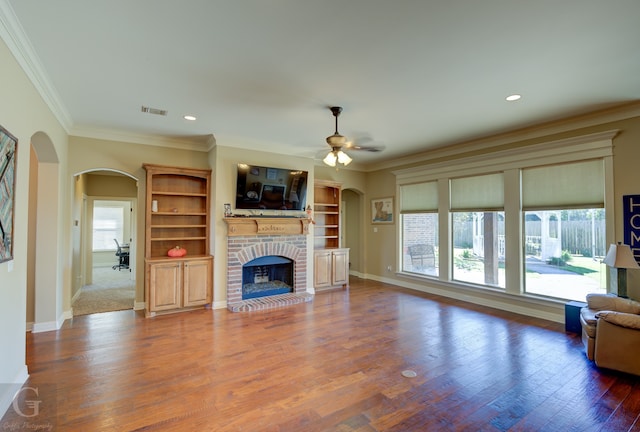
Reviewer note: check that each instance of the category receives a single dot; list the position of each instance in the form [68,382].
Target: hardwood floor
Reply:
[333,364]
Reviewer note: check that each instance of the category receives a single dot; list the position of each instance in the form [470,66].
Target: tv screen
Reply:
[268,188]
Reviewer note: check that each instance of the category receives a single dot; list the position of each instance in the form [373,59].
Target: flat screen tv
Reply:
[269,188]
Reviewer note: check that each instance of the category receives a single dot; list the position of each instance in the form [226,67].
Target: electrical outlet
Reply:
[388,268]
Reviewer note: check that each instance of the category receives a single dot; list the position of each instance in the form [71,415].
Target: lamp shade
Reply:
[330,159]
[620,256]
[343,158]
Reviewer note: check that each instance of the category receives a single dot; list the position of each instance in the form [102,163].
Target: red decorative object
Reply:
[177,252]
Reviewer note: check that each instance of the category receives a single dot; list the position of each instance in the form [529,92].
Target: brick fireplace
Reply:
[250,239]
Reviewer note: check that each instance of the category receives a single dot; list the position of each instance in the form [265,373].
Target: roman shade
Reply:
[478,193]
[419,197]
[572,185]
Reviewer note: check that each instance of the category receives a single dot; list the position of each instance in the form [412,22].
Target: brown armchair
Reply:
[611,332]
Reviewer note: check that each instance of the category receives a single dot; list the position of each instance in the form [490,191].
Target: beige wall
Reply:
[381,245]
[353,196]
[24,114]
[225,161]
[31,242]
[27,116]
[89,154]
[100,185]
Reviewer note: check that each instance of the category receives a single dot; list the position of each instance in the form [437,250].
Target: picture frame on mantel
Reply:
[382,210]
[8,156]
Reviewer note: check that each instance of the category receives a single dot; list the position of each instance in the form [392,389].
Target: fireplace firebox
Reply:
[267,276]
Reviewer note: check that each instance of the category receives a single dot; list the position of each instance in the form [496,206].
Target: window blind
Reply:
[485,192]
[419,197]
[574,185]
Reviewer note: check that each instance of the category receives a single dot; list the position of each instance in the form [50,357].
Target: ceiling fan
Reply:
[338,143]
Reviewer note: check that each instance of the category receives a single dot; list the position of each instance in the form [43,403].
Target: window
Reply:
[569,264]
[108,224]
[527,220]
[419,221]
[420,239]
[478,248]
[564,245]
[478,229]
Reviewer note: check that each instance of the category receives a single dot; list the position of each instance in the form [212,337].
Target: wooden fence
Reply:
[585,238]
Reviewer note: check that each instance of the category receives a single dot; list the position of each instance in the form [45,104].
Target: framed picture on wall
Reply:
[382,210]
[8,154]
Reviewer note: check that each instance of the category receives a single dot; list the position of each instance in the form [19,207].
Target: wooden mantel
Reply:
[246,226]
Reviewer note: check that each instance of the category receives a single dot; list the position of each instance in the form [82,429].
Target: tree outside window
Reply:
[479,248]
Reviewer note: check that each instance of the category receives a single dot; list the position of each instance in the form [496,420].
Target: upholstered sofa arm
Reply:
[622,319]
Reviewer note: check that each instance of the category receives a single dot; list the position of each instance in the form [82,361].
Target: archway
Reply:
[104,209]
[44,278]
[353,232]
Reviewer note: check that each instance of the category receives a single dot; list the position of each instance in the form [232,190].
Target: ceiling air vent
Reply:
[155,111]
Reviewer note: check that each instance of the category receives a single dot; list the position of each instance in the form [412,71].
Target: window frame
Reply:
[510,162]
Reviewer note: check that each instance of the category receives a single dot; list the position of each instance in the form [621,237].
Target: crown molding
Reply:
[584,147]
[13,34]
[202,143]
[617,113]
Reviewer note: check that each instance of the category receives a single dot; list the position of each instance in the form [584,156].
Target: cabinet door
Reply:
[340,267]
[197,282]
[165,286]
[322,269]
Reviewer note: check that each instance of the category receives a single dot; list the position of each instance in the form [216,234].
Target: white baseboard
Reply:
[357,274]
[68,314]
[8,390]
[44,327]
[527,306]
[52,325]
[219,305]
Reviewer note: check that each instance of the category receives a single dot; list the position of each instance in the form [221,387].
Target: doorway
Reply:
[352,234]
[108,232]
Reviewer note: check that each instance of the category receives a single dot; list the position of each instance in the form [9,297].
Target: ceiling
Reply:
[411,75]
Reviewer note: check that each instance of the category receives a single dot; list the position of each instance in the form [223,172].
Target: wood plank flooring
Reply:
[333,364]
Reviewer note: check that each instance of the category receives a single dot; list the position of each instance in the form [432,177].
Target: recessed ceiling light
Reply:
[513,97]
[190,118]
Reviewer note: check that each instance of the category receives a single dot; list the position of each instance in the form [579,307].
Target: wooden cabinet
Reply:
[177,214]
[331,262]
[179,284]
[331,268]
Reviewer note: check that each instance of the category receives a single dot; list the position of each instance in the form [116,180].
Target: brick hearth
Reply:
[242,249]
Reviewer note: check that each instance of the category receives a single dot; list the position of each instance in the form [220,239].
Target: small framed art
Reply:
[382,210]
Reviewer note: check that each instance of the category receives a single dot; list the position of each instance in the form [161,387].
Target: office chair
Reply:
[123,256]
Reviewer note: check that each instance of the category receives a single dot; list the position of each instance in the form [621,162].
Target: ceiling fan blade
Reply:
[364,144]
[372,149]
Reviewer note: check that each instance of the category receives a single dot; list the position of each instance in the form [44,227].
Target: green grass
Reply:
[585,266]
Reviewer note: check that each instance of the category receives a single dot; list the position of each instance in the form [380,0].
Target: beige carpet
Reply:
[111,290]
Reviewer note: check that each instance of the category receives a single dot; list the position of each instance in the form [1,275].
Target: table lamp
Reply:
[620,258]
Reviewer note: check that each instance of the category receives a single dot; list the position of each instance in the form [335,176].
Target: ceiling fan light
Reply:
[330,159]
[343,158]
